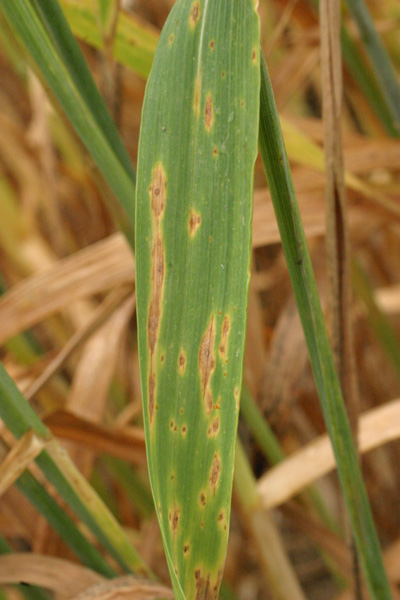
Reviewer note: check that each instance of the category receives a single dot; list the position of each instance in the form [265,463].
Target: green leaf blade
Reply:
[194,206]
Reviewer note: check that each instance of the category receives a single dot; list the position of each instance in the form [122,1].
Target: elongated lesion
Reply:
[207,363]
[157,193]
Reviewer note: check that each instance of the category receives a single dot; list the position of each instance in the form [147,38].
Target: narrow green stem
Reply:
[305,289]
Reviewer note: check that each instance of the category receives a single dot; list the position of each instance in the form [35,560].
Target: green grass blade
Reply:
[19,417]
[362,74]
[63,524]
[380,60]
[46,35]
[194,209]
[379,322]
[134,43]
[304,286]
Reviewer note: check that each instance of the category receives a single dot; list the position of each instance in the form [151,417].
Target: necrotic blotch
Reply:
[174,520]
[209,113]
[194,14]
[207,361]
[182,362]
[214,428]
[226,325]
[205,590]
[157,192]
[215,472]
[194,222]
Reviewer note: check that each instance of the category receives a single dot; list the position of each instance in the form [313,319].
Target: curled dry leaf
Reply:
[377,427]
[54,574]
[126,588]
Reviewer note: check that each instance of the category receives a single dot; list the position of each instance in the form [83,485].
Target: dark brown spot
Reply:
[182,362]
[254,56]
[203,499]
[194,222]
[174,520]
[194,14]
[158,191]
[205,590]
[209,113]
[214,428]
[162,358]
[226,325]
[171,424]
[184,430]
[207,362]
[221,516]
[172,476]
[215,151]
[202,525]
[186,549]
[223,74]
[215,472]
[212,44]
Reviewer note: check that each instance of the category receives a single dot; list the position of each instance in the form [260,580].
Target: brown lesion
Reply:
[157,193]
[182,362]
[173,517]
[197,95]
[194,14]
[205,590]
[214,428]
[254,56]
[209,113]
[207,362]
[226,326]
[194,222]
[215,472]
[203,499]
[222,520]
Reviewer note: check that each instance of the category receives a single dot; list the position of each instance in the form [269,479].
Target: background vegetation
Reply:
[67,311]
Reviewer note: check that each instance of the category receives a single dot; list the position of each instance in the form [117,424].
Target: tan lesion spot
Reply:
[171,39]
[212,45]
[237,397]
[226,325]
[194,14]
[194,222]
[203,499]
[205,588]
[197,95]
[186,548]
[158,191]
[222,520]
[215,152]
[182,362]
[214,428]
[207,362]
[209,113]
[184,430]
[173,518]
[152,395]
[215,472]
[254,56]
